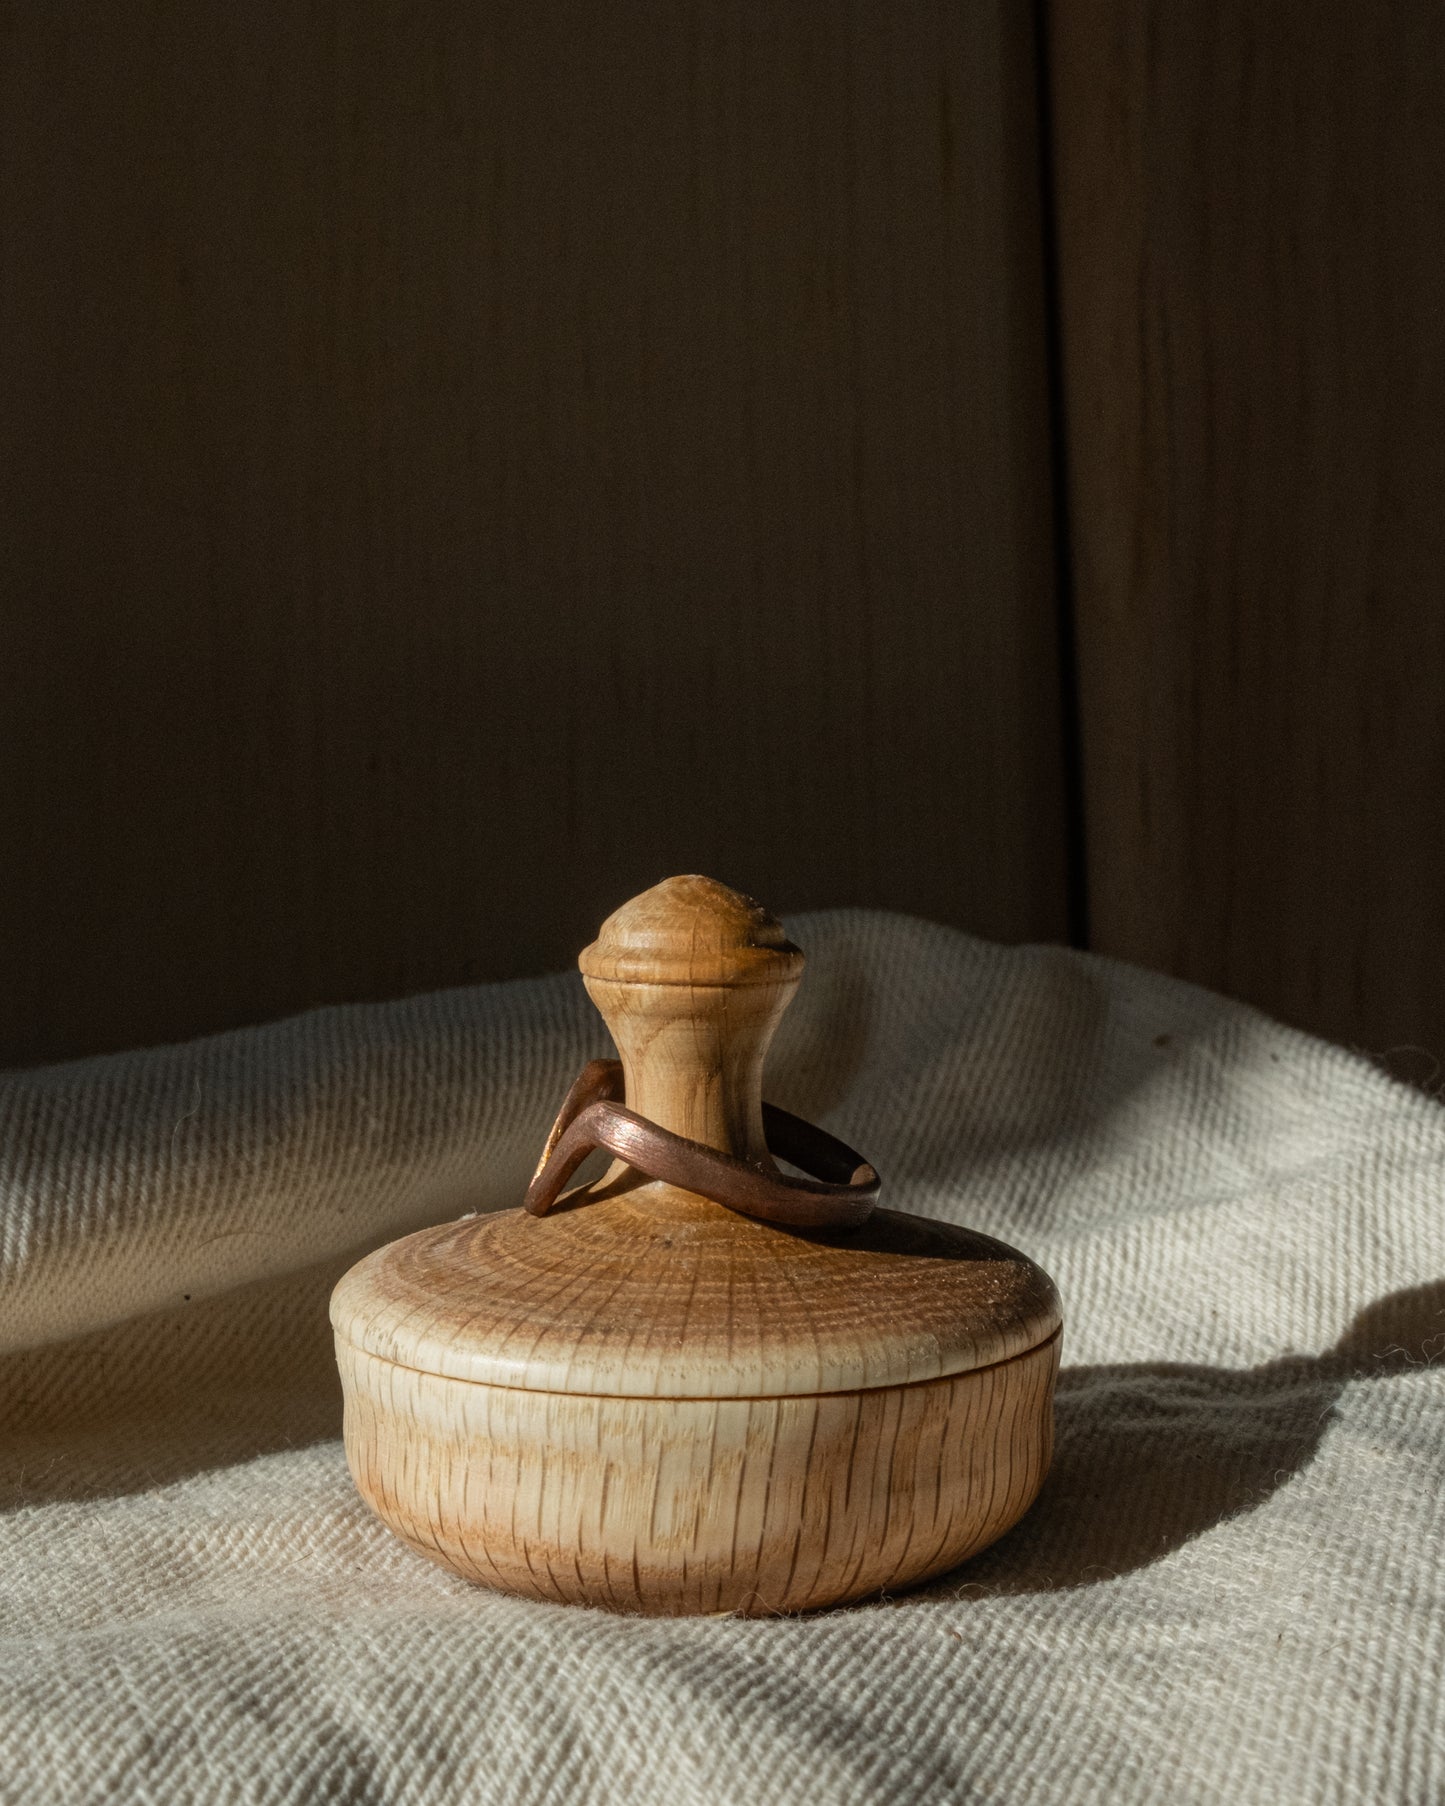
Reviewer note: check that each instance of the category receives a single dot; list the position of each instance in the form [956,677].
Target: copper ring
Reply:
[842,1192]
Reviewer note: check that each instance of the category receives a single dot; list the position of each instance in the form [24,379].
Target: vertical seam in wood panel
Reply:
[1070,708]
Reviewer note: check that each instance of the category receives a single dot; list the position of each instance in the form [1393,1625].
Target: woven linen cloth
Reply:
[1231,1589]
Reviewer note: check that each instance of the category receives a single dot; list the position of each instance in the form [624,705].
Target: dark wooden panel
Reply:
[467,462]
[1250,202]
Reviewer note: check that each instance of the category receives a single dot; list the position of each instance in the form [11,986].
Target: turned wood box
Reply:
[649,1400]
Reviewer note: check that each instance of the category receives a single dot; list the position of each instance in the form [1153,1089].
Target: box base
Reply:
[700,1505]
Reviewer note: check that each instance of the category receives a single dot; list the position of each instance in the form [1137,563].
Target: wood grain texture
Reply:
[750,1505]
[652,1292]
[1252,301]
[464,463]
[647,1401]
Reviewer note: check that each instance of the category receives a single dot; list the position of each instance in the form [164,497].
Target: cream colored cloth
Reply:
[1232,1589]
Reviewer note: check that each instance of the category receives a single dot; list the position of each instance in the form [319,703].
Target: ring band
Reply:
[841,1193]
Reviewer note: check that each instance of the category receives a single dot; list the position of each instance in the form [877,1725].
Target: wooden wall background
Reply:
[468,462]
[464,463]
[1249,205]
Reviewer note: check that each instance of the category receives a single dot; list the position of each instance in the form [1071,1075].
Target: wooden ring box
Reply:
[647,1401]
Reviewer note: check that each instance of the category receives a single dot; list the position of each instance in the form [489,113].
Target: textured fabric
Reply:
[1231,1588]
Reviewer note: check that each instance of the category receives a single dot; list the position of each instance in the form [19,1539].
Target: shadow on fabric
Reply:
[159,1398]
[1152,1455]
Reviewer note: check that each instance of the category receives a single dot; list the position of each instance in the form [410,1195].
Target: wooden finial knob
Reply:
[691,930]
[692,979]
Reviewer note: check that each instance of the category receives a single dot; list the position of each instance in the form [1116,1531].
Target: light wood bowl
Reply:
[648,1402]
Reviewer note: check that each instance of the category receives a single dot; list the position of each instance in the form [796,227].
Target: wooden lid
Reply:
[635,1288]
[631,1300]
